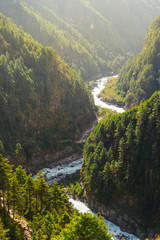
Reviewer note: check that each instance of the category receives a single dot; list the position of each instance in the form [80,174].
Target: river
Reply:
[60,172]
[100,84]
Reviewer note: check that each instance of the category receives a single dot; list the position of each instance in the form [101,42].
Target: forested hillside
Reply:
[94,37]
[140,77]
[42,100]
[122,163]
[48,211]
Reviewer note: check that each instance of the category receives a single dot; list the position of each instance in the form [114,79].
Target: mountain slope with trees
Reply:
[122,163]
[64,39]
[43,101]
[140,77]
[94,37]
[48,211]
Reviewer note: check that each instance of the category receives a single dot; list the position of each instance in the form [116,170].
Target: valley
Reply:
[63,170]
[79,119]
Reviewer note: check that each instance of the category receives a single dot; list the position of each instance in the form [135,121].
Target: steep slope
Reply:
[139,78]
[48,211]
[93,36]
[122,164]
[117,25]
[129,18]
[64,39]
[43,101]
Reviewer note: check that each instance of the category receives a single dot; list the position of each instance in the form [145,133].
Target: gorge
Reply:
[57,173]
[61,115]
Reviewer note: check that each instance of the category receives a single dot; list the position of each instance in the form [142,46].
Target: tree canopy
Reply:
[48,211]
[139,78]
[43,101]
[94,37]
[122,161]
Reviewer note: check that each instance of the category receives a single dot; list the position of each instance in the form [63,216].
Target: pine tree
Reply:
[4,181]
[41,191]
[3,232]
[30,194]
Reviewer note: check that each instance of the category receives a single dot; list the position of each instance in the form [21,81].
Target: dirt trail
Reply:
[27,231]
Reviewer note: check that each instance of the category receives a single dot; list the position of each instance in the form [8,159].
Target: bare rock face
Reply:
[115,215]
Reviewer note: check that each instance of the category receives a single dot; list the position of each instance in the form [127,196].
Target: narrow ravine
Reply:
[112,228]
[58,173]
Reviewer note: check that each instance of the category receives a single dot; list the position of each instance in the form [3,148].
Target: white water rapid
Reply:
[58,172]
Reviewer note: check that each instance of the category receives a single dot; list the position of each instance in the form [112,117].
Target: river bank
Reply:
[51,159]
[114,214]
[114,102]
[117,216]
[84,207]
[99,86]
[109,95]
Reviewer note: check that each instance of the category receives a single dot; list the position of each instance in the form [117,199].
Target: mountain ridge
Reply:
[121,163]
[38,93]
[139,78]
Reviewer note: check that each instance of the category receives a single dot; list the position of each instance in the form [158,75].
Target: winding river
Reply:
[100,84]
[60,172]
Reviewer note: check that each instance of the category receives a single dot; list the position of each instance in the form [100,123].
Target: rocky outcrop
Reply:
[115,215]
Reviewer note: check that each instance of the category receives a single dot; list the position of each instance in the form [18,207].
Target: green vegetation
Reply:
[104,113]
[86,227]
[139,78]
[9,229]
[43,101]
[122,162]
[127,19]
[75,190]
[3,232]
[109,93]
[73,186]
[48,211]
[45,106]
[91,84]
[94,37]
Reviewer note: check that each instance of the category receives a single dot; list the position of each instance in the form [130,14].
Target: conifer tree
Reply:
[30,194]
[3,232]
[41,190]
[4,178]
